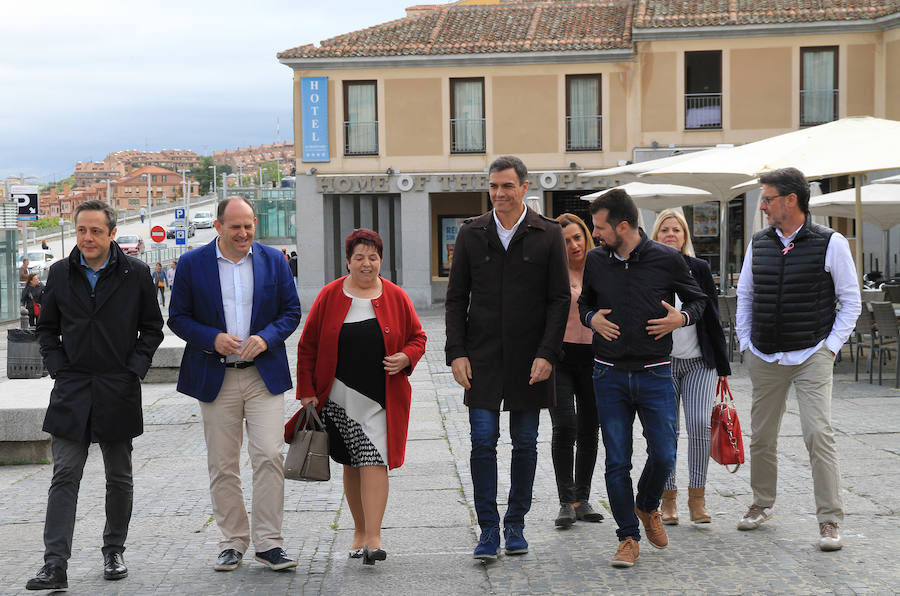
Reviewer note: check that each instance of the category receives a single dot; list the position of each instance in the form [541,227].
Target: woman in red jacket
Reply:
[360,342]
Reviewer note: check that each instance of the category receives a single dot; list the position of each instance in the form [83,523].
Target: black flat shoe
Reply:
[114,566]
[355,553]
[370,556]
[228,560]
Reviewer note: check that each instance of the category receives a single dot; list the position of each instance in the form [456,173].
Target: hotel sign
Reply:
[314,118]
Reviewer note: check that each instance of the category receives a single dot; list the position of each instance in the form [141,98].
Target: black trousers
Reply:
[69,458]
[575,426]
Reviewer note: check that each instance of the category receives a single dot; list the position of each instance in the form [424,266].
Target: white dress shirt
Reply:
[236,280]
[838,262]
[506,235]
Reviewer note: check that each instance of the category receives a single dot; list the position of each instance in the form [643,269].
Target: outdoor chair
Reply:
[891,292]
[864,336]
[725,317]
[734,342]
[888,335]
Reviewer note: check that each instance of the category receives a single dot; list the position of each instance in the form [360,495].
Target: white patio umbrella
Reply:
[657,197]
[850,146]
[630,172]
[881,207]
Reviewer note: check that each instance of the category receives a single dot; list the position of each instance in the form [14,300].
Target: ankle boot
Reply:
[668,508]
[697,505]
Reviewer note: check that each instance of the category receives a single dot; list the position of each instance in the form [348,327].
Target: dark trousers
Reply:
[621,394]
[575,427]
[69,458]
[162,294]
[523,431]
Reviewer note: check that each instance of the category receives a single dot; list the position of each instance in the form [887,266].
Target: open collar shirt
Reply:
[506,235]
[236,280]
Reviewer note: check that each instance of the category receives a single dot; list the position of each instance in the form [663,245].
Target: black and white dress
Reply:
[354,414]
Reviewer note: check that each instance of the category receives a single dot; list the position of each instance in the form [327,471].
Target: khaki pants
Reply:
[244,397]
[812,381]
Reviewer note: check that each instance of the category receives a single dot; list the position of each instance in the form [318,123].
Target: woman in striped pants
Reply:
[699,358]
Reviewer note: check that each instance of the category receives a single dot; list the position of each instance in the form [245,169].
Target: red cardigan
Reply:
[317,355]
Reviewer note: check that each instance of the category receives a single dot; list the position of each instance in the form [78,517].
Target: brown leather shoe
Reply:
[697,506]
[653,527]
[668,508]
[626,554]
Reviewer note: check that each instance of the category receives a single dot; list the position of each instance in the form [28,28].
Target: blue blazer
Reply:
[196,315]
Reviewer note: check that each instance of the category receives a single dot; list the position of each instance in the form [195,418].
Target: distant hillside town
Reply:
[122,177]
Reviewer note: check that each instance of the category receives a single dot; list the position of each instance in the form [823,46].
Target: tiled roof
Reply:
[517,26]
[651,14]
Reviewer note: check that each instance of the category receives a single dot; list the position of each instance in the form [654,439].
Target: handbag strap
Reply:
[723,390]
[308,418]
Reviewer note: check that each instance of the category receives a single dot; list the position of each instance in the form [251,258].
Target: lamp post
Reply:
[187,196]
[149,201]
[213,168]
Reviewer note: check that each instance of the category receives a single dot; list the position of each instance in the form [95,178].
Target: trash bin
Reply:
[23,355]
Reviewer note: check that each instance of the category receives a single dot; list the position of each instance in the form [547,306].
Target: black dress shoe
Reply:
[372,555]
[114,566]
[228,560]
[50,577]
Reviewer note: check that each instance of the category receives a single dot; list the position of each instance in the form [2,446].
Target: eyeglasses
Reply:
[766,200]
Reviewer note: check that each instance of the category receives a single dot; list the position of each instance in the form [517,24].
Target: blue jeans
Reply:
[485,430]
[620,395]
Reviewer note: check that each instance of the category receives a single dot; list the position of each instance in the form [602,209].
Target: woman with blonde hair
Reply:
[698,356]
[575,424]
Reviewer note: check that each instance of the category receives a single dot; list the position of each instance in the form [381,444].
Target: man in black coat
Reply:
[506,310]
[99,327]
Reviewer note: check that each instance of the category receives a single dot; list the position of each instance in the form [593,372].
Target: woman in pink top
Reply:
[575,425]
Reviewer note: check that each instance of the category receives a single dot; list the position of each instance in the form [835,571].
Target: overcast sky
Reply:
[82,79]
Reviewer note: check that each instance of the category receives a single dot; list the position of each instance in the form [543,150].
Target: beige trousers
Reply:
[244,397]
[812,381]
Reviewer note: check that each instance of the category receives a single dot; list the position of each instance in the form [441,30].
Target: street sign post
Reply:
[158,234]
[26,198]
[179,213]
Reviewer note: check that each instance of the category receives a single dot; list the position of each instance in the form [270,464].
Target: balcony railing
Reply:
[467,135]
[702,110]
[583,133]
[361,138]
[818,106]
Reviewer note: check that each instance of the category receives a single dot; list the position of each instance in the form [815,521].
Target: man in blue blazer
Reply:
[235,304]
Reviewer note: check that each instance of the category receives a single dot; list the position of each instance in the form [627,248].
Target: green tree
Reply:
[203,174]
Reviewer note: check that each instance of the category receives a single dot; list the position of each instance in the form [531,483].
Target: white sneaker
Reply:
[829,536]
[754,517]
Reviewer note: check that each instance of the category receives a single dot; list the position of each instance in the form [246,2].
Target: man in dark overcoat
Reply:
[99,327]
[506,310]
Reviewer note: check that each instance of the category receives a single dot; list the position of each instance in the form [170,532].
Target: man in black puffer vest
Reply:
[794,274]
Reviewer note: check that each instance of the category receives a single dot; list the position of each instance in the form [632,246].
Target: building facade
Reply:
[415,110]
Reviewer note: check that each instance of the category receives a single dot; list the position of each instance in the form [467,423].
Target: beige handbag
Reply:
[307,457]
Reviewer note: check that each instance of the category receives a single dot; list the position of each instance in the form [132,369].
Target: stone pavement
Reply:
[429,527]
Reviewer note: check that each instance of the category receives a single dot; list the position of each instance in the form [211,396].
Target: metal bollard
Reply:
[23,321]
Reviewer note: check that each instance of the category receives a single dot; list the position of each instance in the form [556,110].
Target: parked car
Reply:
[131,244]
[38,260]
[203,219]
[180,224]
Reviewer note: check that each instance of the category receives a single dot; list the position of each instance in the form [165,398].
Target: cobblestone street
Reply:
[429,527]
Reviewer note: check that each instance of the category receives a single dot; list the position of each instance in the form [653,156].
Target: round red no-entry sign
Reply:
[158,234]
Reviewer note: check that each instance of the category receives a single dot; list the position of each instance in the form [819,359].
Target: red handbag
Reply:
[726,442]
